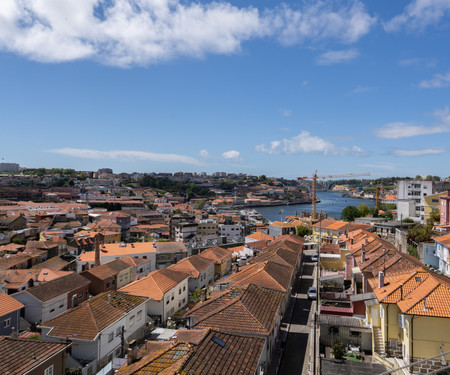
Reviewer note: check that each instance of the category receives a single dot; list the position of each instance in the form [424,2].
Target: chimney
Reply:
[351,241]
[363,256]
[380,279]
[401,292]
[132,352]
[97,251]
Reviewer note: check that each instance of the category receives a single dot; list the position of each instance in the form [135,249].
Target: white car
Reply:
[314,258]
[312,293]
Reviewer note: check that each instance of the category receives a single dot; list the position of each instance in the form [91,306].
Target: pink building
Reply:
[445,209]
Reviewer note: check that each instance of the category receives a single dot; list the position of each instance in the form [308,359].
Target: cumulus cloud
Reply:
[396,130]
[306,143]
[141,32]
[419,14]
[337,57]
[204,153]
[232,154]
[438,81]
[419,152]
[126,155]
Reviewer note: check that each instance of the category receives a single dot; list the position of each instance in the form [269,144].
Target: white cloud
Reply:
[360,90]
[232,154]
[419,14]
[419,152]
[140,32]
[306,143]
[286,112]
[418,62]
[438,81]
[126,155]
[396,130]
[204,153]
[337,57]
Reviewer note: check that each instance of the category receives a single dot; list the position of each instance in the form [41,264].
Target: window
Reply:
[80,295]
[49,370]
[110,336]
[61,306]
[173,296]
[107,285]
[184,288]
[179,291]
[118,351]
[118,330]
[139,315]
[167,302]
[131,320]
[110,357]
[7,323]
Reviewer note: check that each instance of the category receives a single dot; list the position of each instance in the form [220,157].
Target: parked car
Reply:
[312,293]
[314,258]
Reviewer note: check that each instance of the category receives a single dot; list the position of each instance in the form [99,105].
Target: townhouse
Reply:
[221,257]
[99,328]
[199,269]
[329,231]
[46,301]
[10,310]
[406,304]
[166,292]
[442,245]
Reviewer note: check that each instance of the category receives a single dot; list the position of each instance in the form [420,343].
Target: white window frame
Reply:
[7,323]
[49,370]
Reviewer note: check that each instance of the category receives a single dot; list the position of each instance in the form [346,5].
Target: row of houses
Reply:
[405,304]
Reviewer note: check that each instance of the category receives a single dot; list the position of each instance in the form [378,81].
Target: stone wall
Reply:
[427,366]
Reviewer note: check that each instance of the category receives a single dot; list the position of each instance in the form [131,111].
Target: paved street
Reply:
[299,327]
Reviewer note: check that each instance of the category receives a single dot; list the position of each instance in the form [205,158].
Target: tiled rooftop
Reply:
[84,322]
[8,304]
[19,355]
[155,284]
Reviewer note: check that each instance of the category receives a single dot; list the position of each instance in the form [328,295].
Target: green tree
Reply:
[200,204]
[349,213]
[303,230]
[338,350]
[435,217]
[363,209]
[420,233]
[408,220]
[412,250]
[196,295]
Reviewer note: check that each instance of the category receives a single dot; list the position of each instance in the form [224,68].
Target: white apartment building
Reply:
[442,252]
[411,197]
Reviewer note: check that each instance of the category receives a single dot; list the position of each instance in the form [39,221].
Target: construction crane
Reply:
[314,179]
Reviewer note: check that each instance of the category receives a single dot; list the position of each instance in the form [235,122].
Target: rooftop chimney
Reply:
[401,292]
[363,256]
[351,241]
[97,251]
[380,279]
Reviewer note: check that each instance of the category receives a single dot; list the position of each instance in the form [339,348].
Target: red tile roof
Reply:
[8,304]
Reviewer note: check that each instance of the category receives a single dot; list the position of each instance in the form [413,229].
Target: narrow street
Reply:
[295,356]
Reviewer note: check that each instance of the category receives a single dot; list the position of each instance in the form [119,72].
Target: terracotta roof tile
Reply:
[8,304]
[20,355]
[87,320]
[155,284]
[54,288]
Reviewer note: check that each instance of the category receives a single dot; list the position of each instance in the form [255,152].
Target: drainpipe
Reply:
[412,339]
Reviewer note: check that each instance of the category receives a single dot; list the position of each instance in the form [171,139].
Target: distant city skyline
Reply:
[280,89]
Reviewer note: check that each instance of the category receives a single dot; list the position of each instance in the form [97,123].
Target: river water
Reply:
[330,201]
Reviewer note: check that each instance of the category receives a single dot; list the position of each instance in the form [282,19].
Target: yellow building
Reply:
[431,203]
[221,258]
[412,317]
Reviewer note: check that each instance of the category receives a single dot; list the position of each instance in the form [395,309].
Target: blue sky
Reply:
[261,87]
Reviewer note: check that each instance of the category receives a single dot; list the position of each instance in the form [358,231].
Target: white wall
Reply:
[204,279]
[37,311]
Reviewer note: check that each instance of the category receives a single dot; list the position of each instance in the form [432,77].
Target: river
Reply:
[330,201]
